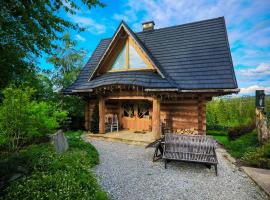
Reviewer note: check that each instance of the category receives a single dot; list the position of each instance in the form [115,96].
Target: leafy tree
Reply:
[30,28]
[22,118]
[68,62]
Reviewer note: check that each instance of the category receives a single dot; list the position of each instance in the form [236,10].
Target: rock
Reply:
[15,177]
[22,170]
[60,141]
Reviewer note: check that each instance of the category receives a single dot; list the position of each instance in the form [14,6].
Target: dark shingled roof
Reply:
[192,56]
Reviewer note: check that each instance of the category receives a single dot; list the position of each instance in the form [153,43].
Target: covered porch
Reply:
[138,117]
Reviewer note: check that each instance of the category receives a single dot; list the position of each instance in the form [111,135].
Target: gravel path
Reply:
[127,172]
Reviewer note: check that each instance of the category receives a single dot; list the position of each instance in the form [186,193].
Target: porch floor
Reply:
[125,136]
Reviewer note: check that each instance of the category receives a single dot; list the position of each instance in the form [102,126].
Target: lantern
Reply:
[260,98]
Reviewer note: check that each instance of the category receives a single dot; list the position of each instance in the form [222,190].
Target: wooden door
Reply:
[136,116]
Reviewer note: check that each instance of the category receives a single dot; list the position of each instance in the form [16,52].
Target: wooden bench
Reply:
[190,148]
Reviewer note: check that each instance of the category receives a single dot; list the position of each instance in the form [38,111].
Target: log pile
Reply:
[191,131]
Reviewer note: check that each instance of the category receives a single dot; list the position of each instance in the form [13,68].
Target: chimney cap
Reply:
[149,22]
[149,25]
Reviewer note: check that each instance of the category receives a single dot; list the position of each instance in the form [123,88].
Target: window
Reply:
[128,58]
[119,63]
[135,61]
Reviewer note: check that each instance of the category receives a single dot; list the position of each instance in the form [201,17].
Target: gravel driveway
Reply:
[127,172]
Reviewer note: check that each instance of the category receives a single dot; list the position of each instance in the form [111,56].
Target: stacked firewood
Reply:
[191,131]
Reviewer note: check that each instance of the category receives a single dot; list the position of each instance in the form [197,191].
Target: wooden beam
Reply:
[156,118]
[127,56]
[101,106]
[86,116]
[211,90]
[130,97]
[120,113]
[200,116]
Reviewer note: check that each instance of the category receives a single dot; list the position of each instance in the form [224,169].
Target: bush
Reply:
[53,176]
[22,118]
[237,148]
[238,131]
[223,113]
[259,157]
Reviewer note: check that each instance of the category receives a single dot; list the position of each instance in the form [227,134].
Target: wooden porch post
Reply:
[101,106]
[86,115]
[156,118]
[201,115]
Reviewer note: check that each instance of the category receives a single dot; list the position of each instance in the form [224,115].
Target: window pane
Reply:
[135,61]
[119,63]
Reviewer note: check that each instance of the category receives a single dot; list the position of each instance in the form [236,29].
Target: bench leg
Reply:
[165,163]
[216,169]
[208,166]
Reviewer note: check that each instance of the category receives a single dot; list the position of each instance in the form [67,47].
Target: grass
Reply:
[245,148]
[47,175]
[237,148]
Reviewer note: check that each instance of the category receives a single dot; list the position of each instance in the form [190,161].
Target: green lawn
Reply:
[47,175]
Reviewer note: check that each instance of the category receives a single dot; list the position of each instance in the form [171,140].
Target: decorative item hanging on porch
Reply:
[128,109]
[143,110]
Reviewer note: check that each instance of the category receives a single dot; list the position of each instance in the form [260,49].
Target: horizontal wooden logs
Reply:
[186,114]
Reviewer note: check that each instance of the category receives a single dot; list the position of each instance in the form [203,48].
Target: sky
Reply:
[248,26]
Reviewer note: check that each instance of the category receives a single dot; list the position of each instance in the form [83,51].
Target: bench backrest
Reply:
[180,143]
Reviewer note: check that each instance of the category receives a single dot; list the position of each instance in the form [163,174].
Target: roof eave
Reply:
[236,90]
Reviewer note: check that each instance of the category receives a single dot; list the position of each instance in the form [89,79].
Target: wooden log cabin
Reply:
[158,76]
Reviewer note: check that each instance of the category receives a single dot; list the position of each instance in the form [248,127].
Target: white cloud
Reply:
[91,25]
[247,23]
[250,90]
[262,69]
[80,38]
[260,74]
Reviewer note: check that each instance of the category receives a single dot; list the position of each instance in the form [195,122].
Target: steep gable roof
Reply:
[189,56]
[124,26]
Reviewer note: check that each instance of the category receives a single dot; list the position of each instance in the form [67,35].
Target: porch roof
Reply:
[146,79]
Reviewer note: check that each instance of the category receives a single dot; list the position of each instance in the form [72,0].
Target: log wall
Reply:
[184,115]
[89,108]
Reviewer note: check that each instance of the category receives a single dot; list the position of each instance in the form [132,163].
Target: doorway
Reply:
[136,115]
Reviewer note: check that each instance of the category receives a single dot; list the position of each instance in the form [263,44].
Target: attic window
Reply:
[119,63]
[130,58]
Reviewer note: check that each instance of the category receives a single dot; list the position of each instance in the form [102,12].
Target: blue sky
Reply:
[248,25]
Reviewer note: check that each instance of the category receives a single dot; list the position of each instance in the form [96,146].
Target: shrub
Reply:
[238,131]
[238,147]
[22,118]
[259,157]
[59,184]
[54,176]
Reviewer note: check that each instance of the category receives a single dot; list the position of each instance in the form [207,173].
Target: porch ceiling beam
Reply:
[130,97]
[161,89]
